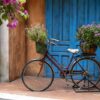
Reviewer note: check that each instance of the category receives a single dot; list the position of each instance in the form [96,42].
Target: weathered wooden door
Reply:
[63,17]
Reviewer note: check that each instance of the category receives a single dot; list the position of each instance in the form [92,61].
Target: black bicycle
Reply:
[83,70]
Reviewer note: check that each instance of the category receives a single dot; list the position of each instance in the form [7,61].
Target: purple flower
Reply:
[11,8]
[97,34]
[7,2]
[25,12]
[13,24]
[98,26]
[13,1]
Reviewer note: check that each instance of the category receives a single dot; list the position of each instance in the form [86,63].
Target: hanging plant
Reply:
[38,34]
[10,9]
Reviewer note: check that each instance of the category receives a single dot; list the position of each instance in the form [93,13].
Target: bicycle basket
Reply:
[41,48]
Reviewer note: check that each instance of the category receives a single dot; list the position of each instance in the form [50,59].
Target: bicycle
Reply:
[38,74]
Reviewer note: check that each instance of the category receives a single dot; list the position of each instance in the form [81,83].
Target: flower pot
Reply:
[41,48]
[88,50]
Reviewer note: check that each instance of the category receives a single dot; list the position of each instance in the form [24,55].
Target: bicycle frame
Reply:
[56,64]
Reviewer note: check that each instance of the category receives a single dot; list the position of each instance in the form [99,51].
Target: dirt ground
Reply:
[60,89]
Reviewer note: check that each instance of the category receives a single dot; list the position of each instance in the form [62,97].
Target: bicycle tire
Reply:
[85,77]
[35,77]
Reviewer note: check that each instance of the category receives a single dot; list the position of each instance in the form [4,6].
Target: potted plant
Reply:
[38,34]
[10,9]
[89,37]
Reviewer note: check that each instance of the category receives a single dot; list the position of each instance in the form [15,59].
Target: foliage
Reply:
[37,33]
[89,34]
[10,9]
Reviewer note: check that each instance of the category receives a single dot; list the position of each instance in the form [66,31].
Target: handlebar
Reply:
[52,41]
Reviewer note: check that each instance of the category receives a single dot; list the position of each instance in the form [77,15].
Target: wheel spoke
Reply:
[87,68]
[80,81]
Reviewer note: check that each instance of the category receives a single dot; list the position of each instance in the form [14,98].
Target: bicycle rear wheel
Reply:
[37,75]
[85,73]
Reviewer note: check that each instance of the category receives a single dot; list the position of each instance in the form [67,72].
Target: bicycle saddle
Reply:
[73,50]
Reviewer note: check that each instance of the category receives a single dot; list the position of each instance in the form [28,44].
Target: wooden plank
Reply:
[66,20]
[49,16]
[81,12]
[92,12]
[73,23]
[56,21]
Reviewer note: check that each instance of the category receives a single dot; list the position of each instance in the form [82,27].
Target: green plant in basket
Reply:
[38,34]
[89,35]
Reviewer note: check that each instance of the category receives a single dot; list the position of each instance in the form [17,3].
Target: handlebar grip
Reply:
[53,43]
[52,39]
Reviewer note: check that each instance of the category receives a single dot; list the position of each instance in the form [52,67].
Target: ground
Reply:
[60,90]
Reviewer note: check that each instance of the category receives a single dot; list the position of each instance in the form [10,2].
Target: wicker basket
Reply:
[90,50]
[41,48]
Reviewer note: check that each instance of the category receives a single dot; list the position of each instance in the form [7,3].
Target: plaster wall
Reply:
[4,52]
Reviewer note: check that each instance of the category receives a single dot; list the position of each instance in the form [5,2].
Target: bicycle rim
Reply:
[37,75]
[85,73]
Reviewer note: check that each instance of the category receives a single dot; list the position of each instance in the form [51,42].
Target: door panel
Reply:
[63,17]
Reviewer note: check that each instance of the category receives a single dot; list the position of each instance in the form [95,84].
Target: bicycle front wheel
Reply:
[37,75]
[85,73]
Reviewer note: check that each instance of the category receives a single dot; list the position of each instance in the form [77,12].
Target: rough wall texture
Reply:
[16,51]
[20,48]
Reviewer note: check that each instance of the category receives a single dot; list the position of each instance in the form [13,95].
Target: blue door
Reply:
[63,17]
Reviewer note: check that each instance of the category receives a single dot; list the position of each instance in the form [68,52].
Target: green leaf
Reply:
[0,22]
[4,16]
[22,1]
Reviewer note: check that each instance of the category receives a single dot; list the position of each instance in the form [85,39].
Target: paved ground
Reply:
[59,90]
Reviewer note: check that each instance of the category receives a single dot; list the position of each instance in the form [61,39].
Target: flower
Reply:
[90,34]
[13,24]
[10,9]
[7,2]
